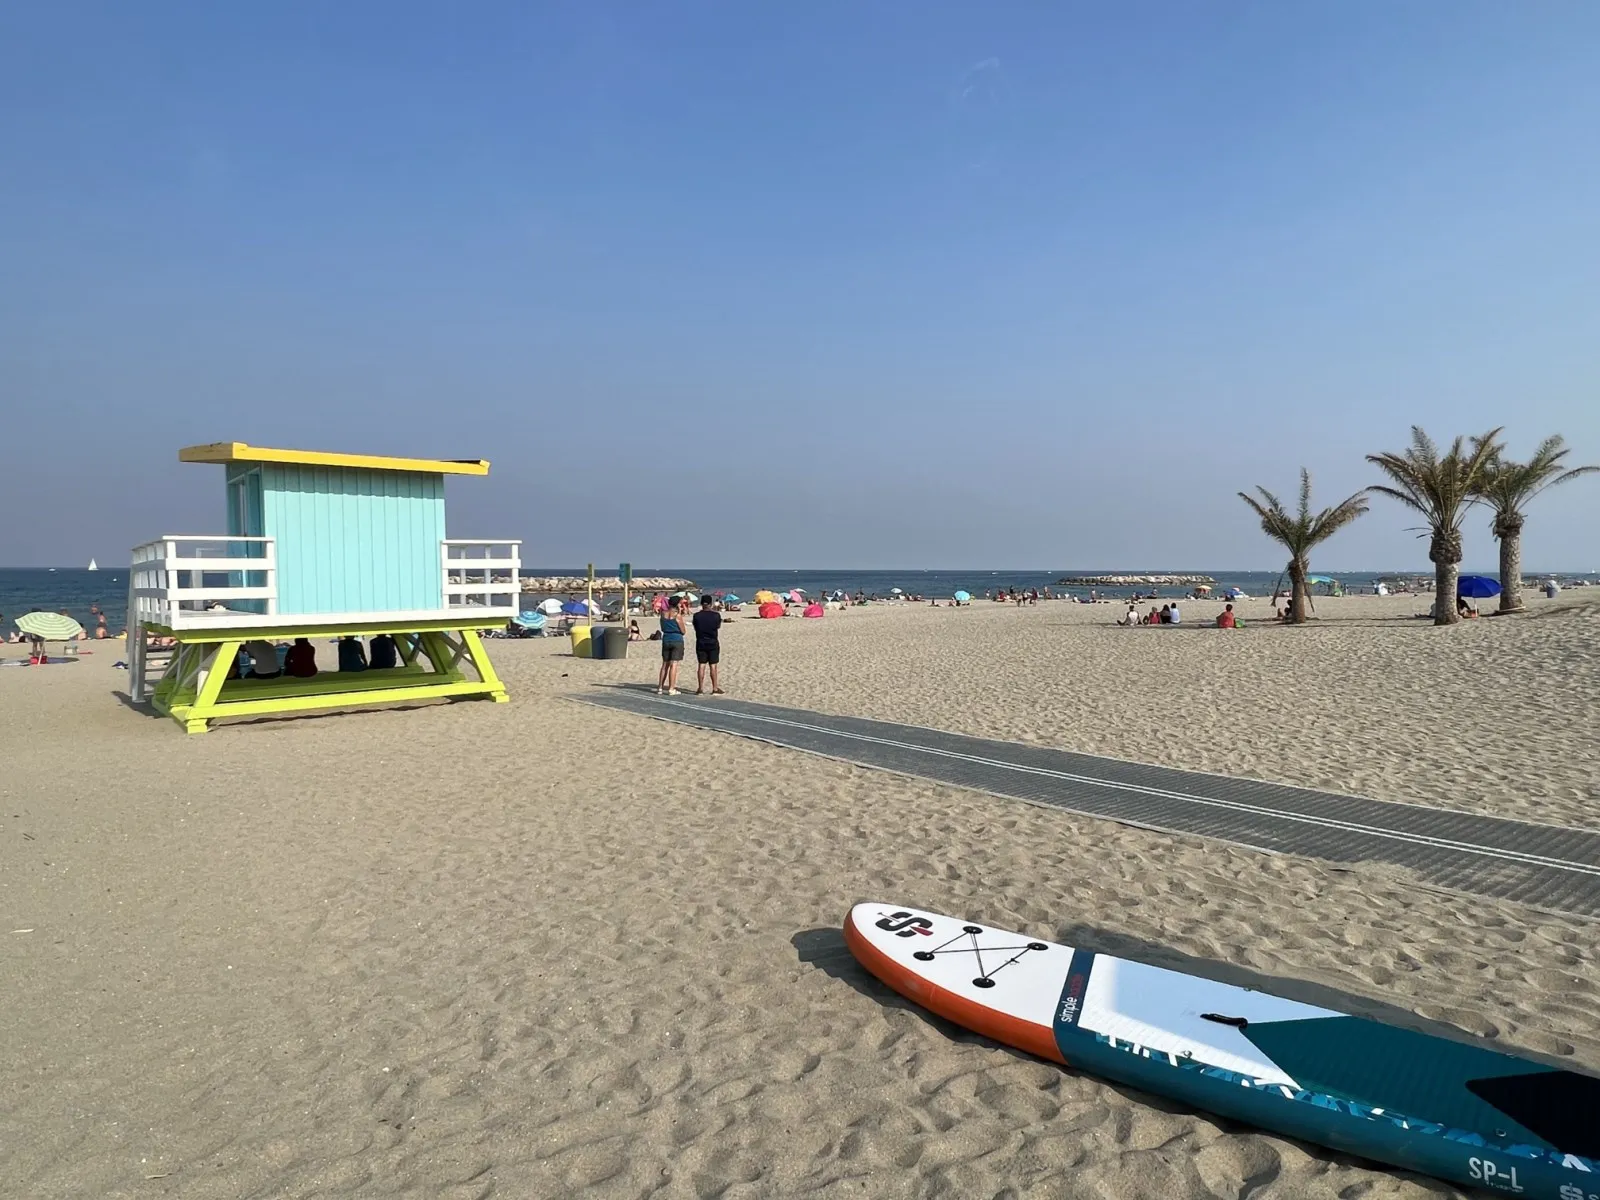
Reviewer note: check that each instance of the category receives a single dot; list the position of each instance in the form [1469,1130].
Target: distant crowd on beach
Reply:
[1171,614]
[95,629]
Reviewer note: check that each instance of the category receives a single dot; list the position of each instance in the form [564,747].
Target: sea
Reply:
[76,588]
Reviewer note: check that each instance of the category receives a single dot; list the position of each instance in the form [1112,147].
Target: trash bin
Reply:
[582,641]
[616,640]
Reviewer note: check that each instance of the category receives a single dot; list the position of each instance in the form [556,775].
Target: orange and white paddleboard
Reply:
[1016,990]
[1459,1108]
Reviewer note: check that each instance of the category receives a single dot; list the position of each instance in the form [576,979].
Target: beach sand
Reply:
[544,950]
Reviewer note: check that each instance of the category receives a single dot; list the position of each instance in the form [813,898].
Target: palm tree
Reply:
[1507,487]
[1301,531]
[1441,488]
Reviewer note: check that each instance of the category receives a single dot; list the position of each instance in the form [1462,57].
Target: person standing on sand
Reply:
[707,645]
[671,647]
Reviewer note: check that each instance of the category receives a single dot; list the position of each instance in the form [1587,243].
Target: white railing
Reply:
[481,575]
[177,578]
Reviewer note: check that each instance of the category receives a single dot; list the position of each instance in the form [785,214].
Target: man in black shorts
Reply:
[707,644]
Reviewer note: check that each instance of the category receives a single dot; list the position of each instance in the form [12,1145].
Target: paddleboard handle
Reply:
[1236,1022]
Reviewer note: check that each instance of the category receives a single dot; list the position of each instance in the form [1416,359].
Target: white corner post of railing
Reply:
[481,574]
[178,577]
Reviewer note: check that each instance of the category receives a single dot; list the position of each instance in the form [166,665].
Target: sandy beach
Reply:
[543,950]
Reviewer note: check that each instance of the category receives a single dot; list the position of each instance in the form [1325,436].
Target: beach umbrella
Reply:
[551,607]
[798,595]
[896,591]
[730,598]
[766,597]
[963,597]
[1234,593]
[530,620]
[1473,587]
[771,609]
[812,610]
[52,627]
[575,608]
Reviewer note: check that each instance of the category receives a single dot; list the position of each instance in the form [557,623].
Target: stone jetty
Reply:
[1134,581]
[604,583]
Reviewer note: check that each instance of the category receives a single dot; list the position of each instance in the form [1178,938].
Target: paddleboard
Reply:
[1460,1110]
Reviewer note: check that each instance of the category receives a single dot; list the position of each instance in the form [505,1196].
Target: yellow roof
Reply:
[228,452]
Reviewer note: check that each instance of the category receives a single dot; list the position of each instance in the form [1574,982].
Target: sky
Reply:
[932,284]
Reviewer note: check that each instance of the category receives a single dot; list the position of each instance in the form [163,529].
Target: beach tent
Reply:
[1473,587]
[766,597]
[771,609]
[1331,586]
[551,607]
[1235,593]
[812,610]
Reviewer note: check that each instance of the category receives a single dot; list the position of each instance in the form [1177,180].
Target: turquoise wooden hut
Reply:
[318,543]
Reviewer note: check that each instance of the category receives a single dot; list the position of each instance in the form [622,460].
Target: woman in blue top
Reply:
[671,648]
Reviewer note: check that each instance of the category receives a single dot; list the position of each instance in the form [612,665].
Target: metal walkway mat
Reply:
[1544,865]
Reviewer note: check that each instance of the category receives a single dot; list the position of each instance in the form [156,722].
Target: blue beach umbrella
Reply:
[730,598]
[575,608]
[530,620]
[963,597]
[1477,587]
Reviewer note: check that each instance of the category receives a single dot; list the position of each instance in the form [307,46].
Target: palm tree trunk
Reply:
[1511,572]
[1300,590]
[1445,579]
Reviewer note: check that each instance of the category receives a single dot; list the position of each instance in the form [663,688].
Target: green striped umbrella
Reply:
[52,627]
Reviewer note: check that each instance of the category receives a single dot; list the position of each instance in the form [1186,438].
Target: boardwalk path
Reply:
[1544,865]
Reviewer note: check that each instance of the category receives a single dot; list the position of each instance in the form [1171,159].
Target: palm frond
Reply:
[1508,486]
[1440,487]
[1300,532]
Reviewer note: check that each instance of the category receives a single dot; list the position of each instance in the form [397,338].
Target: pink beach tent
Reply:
[771,609]
[812,610]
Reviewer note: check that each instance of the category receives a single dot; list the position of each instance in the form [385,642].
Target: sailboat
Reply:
[92,566]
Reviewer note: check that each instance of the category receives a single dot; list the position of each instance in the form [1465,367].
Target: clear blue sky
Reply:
[932,284]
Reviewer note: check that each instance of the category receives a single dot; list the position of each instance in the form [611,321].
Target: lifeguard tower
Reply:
[319,546]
